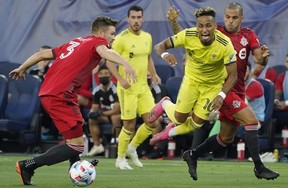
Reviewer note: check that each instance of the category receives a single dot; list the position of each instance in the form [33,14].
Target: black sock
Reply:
[54,155]
[73,159]
[252,143]
[210,144]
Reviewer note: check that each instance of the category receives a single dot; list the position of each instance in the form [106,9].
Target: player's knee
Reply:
[180,118]
[194,124]
[227,139]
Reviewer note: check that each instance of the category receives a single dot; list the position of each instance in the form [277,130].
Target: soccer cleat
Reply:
[265,173]
[25,174]
[156,154]
[122,164]
[95,150]
[157,111]
[134,157]
[163,135]
[191,162]
[94,162]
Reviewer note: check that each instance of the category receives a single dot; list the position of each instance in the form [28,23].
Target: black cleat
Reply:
[265,173]
[191,162]
[25,174]
[94,162]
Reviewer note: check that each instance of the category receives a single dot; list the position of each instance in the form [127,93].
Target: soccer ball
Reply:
[82,173]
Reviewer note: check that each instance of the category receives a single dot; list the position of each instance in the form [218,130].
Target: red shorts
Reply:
[232,104]
[66,115]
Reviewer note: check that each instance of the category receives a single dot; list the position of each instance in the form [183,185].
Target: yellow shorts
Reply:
[132,103]
[196,96]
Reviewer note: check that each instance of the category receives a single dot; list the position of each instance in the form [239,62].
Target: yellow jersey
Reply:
[206,64]
[135,49]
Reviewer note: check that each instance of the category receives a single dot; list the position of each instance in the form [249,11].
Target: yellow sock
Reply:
[170,110]
[142,134]
[124,139]
[187,127]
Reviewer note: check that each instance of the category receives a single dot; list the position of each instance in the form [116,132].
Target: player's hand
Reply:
[130,73]
[281,105]
[264,51]
[97,114]
[17,74]
[217,103]
[212,116]
[124,83]
[171,59]
[172,14]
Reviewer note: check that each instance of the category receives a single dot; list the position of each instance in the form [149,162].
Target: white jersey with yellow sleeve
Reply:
[135,49]
[206,64]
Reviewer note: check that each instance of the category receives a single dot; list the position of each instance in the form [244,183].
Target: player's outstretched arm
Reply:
[114,57]
[32,60]
[113,69]
[227,86]
[161,50]
[172,16]
[261,55]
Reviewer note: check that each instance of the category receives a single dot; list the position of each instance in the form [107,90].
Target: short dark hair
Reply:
[46,47]
[136,8]
[103,66]
[208,11]
[103,22]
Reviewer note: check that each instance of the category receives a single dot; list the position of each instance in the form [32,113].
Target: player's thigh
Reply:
[116,119]
[128,104]
[145,102]
[207,93]
[187,96]
[64,115]
[246,116]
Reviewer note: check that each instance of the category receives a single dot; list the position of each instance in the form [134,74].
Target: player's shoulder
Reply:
[123,33]
[145,33]
[246,30]
[191,32]
[221,38]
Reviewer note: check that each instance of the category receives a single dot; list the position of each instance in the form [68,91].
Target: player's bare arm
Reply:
[227,86]
[172,16]
[257,70]
[32,60]
[261,55]
[113,69]
[151,69]
[114,57]
[161,50]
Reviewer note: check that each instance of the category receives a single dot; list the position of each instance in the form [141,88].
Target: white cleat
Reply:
[95,150]
[134,157]
[122,164]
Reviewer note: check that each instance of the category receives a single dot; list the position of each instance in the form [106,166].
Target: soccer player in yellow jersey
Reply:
[210,73]
[135,45]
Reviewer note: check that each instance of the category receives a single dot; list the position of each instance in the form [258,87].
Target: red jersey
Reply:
[244,42]
[74,62]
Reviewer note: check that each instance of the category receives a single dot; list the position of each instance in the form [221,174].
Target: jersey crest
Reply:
[244,41]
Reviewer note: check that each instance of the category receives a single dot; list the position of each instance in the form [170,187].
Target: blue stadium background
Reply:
[25,25]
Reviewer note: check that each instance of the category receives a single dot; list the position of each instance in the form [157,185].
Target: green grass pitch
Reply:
[154,174]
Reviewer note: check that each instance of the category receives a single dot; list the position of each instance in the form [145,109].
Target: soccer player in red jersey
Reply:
[73,63]
[234,110]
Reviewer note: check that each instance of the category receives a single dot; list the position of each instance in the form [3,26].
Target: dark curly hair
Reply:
[208,11]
